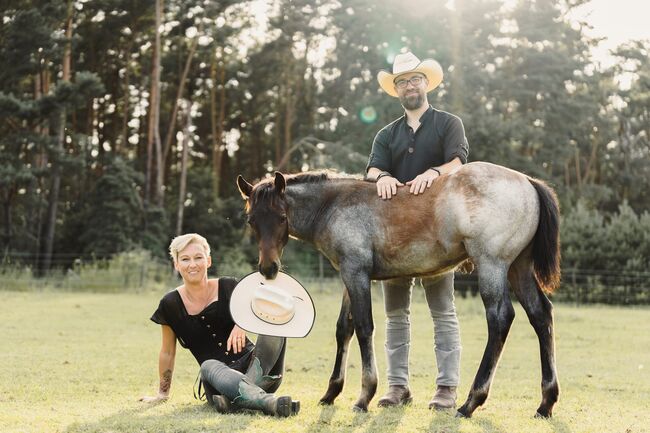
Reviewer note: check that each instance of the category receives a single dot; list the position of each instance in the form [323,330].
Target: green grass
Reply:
[77,362]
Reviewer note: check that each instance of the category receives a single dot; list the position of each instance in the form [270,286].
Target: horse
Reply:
[505,222]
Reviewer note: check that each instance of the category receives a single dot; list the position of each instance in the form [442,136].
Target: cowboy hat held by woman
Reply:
[235,373]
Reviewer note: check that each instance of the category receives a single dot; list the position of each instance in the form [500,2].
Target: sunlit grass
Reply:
[77,362]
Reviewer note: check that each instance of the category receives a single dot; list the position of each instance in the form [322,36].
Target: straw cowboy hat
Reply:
[280,307]
[406,63]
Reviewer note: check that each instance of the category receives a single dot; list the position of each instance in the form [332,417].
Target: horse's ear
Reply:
[280,183]
[245,188]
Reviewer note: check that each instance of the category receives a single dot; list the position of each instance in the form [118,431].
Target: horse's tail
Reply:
[546,243]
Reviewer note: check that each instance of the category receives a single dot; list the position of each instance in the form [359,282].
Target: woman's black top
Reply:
[205,334]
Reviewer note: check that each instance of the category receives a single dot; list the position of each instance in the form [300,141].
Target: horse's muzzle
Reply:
[269,271]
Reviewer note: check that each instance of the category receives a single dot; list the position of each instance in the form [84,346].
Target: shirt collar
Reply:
[424,118]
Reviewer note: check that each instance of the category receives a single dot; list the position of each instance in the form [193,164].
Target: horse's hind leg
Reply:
[344,332]
[540,314]
[493,286]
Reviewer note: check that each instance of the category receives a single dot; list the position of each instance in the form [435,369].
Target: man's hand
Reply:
[237,339]
[387,187]
[160,398]
[422,182]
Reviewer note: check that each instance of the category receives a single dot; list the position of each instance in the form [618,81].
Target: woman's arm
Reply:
[165,365]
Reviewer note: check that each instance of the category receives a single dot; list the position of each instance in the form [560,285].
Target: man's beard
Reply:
[413,101]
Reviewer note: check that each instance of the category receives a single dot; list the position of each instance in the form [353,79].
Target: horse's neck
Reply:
[306,206]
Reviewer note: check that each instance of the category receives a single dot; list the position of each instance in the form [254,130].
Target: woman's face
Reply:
[193,263]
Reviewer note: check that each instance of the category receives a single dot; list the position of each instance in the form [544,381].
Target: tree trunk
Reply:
[457,84]
[42,83]
[7,217]
[183,180]
[153,131]
[578,171]
[126,108]
[50,222]
[216,121]
[172,118]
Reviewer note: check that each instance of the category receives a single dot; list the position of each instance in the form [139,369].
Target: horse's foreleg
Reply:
[540,314]
[344,332]
[358,284]
[493,287]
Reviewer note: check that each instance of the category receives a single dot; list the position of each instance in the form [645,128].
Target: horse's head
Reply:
[266,208]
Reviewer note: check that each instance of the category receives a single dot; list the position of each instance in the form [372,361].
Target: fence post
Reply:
[320,272]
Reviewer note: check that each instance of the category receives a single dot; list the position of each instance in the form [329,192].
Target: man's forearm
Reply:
[373,173]
[449,166]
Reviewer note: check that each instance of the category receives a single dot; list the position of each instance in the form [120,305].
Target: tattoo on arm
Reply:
[165,381]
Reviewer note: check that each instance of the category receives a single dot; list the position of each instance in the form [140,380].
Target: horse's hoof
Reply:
[463,412]
[359,409]
[325,402]
[541,415]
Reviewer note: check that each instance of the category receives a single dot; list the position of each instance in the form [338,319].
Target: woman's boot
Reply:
[242,392]
[253,397]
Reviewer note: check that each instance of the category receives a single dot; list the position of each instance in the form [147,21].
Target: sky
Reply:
[617,20]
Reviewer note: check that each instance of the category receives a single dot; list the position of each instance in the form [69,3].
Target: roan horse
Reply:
[505,222]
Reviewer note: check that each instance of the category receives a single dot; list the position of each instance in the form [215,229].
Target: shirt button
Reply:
[226,353]
[208,326]
[411,150]
[219,344]
[214,335]
[202,317]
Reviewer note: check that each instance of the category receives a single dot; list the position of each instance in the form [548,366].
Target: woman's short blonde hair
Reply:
[180,242]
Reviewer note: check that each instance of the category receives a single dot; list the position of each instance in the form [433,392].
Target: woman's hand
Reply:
[160,398]
[237,339]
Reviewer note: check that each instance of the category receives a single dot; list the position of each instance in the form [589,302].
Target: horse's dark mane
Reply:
[263,191]
[317,177]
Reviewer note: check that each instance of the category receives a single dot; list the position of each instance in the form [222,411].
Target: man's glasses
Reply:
[415,81]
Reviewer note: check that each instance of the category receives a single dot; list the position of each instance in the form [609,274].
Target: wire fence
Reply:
[138,271]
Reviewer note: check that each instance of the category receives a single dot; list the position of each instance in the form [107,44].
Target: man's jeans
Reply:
[439,292]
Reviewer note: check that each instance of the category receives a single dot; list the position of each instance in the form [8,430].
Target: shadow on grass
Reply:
[388,417]
[375,422]
[488,426]
[444,421]
[324,421]
[191,418]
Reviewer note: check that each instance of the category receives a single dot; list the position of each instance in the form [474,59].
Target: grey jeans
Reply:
[439,292]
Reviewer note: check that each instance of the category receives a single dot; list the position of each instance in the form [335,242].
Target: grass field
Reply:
[77,362]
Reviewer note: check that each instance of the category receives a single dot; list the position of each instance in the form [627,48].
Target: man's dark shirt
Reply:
[405,155]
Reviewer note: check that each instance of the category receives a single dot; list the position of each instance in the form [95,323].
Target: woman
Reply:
[235,373]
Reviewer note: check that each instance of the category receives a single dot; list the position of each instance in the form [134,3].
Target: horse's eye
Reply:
[283,218]
[250,221]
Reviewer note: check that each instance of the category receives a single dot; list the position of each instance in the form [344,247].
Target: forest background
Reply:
[114,137]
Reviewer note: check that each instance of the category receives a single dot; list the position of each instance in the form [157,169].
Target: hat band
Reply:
[272,305]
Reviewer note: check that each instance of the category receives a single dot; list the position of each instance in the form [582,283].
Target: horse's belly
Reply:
[417,259]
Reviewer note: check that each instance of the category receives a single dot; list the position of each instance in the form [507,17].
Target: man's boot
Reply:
[445,398]
[396,395]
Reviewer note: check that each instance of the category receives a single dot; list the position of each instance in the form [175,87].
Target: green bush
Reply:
[132,270]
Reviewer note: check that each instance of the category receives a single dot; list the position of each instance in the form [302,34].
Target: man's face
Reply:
[410,89]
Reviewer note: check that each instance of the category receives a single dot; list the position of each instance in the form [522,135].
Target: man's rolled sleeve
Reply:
[380,153]
[455,144]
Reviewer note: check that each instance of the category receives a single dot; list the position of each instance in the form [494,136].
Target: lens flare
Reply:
[368,114]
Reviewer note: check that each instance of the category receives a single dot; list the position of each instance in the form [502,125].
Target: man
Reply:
[414,150]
